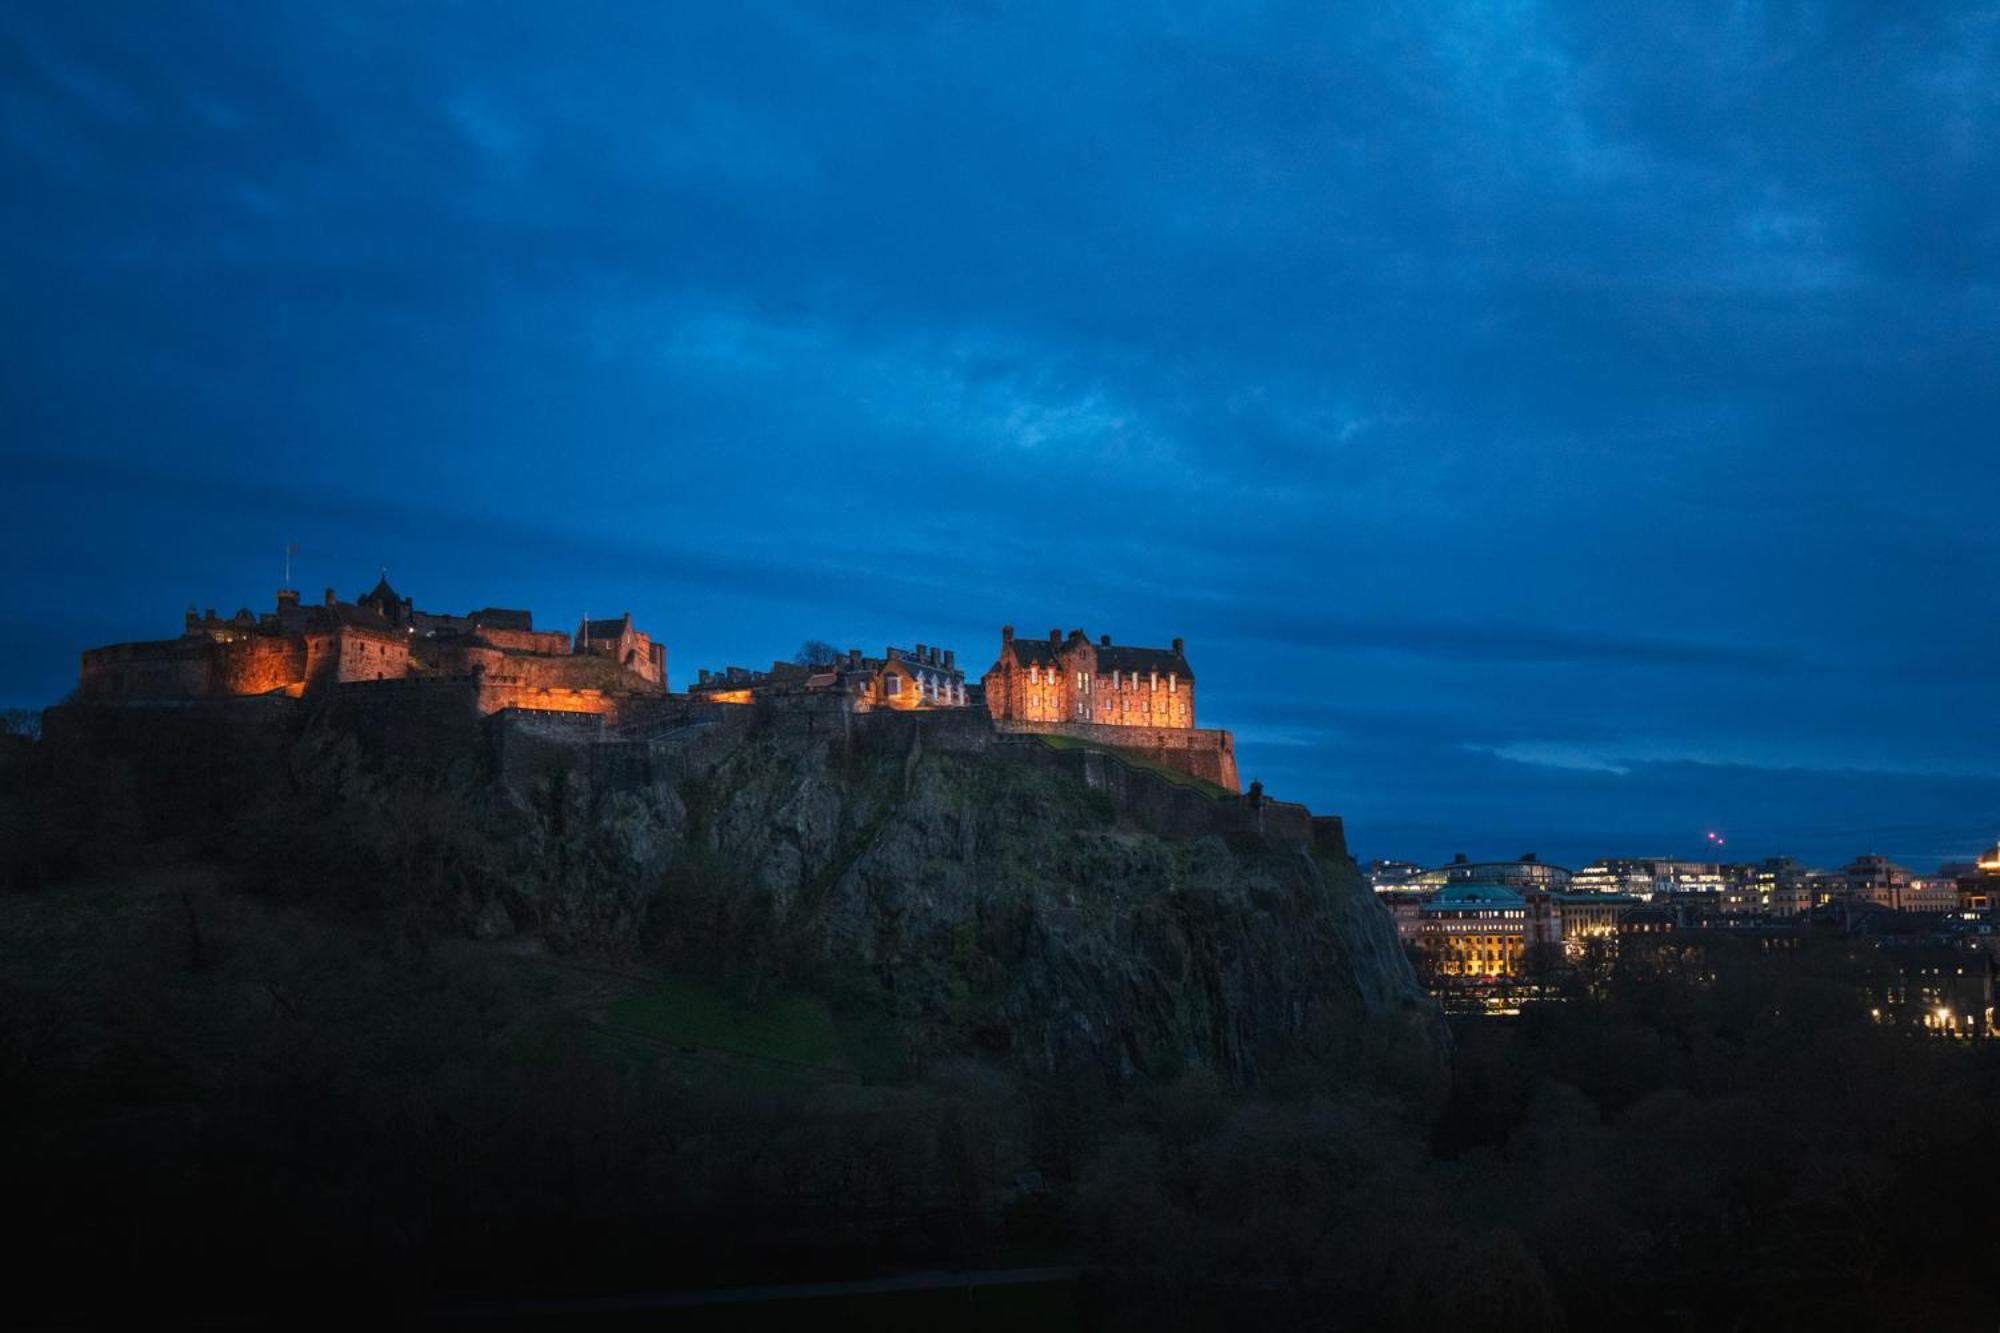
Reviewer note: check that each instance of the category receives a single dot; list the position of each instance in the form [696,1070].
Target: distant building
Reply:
[1562,925]
[1979,888]
[1473,931]
[1649,877]
[1524,872]
[1383,875]
[1873,879]
[1775,886]
[1930,894]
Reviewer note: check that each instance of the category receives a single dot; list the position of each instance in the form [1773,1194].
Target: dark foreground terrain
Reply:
[396,1048]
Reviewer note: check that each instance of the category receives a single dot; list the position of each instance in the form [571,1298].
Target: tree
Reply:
[815,652]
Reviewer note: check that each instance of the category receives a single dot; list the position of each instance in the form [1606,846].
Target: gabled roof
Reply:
[1142,660]
[382,592]
[603,629]
[493,617]
[1118,657]
[346,615]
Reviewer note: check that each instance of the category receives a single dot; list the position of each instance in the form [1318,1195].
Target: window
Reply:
[895,684]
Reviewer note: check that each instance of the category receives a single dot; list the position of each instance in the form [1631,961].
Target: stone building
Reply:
[617,640]
[1072,680]
[1138,701]
[901,679]
[300,648]
[291,649]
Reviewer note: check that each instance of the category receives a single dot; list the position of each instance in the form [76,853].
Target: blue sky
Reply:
[1565,428]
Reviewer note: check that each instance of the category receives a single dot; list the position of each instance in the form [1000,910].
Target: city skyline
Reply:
[1549,436]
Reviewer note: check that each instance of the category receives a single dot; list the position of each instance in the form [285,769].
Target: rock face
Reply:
[994,897]
[1004,909]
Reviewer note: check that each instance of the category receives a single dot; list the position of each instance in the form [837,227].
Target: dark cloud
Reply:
[1608,389]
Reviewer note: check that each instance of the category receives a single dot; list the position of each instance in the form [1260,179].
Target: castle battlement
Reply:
[300,648]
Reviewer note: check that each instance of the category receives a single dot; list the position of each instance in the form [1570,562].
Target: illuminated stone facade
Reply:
[901,679]
[1474,932]
[1136,700]
[1073,680]
[299,648]
[620,643]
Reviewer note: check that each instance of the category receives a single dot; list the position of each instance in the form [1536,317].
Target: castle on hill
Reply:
[300,649]
[1136,700]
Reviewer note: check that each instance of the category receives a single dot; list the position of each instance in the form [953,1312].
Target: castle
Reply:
[1131,700]
[1136,700]
[902,678]
[301,649]
[1073,680]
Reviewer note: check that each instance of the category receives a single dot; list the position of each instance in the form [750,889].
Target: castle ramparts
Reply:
[414,686]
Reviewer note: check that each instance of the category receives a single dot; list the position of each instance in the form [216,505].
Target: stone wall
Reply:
[1203,752]
[1163,806]
[549,642]
[171,669]
[258,665]
[413,723]
[193,765]
[529,744]
[204,668]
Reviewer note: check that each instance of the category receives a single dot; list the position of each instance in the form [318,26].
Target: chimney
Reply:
[950,663]
[1180,647]
[1458,859]
[934,654]
[329,597]
[1527,856]
[920,652]
[854,659]
[287,597]
[210,612]
[1006,634]
[1055,637]
[704,675]
[1104,641]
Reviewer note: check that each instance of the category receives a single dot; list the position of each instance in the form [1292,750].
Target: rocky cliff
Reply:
[1001,900]
[1004,908]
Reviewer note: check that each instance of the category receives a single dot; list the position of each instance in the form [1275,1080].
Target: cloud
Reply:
[1596,387]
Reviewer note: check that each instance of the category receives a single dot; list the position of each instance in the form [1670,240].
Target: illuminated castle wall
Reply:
[1139,700]
[1076,681]
[298,648]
